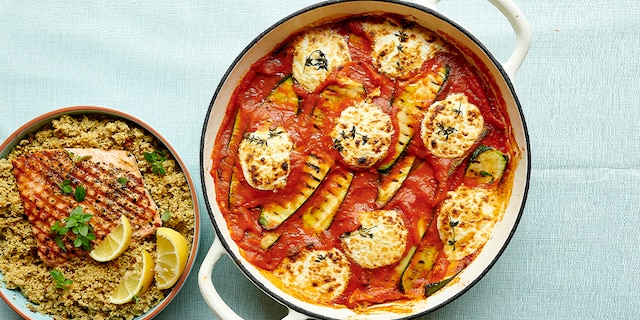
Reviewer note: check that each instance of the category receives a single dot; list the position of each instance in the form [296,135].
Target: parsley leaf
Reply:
[123,181]
[65,187]
[61,281]
[165,216]
[80,193]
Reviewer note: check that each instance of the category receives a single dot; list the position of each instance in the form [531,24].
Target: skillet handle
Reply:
[523,34]
[211,295]
[519,24]
[208,290]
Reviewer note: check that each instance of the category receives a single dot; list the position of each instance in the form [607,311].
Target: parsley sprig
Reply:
[156,160]
[78,193]
[78,224]
[60,281]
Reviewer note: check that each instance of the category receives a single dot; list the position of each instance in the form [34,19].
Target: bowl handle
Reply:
[519,24]
[211,295]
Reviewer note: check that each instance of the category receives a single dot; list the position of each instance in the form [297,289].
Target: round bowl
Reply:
[495,72]
[14,298]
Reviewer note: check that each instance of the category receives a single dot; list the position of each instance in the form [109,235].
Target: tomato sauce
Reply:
[421,193]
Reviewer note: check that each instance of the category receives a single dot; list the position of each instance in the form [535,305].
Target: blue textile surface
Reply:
[576,252]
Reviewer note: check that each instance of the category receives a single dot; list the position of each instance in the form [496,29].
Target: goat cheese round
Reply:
[466,220]
[265,157]
[316,54]
[315,275]
[398,51]
[362,135]
[451,126]
[380,240]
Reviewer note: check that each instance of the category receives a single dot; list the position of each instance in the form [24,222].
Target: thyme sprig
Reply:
[458,111]
[253,138]
[453,224]
[445,131]
[402,37]
[318,60]
[351,134]
[361,231]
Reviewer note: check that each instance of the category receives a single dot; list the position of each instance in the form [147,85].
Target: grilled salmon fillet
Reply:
[114,187]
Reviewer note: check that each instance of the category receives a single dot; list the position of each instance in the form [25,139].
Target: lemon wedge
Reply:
[114,243]
[172,250]
[134,282]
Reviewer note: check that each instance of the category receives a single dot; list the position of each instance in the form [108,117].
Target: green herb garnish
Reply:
[65,187]
[351,134]
[165,216]
[75,158]
[318,60]
[78,223]
[445,131]
[156,160]
[123,181]
[80,193]
[453,224]
[61,281]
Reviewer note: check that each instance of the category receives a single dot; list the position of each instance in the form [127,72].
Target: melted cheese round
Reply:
[315,275]
[466,220]
[399,51]
[362,135]
[451,126]
[380,241]
[265,157]
[316,54]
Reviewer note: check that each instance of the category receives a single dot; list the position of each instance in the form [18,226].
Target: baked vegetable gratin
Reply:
[363,161]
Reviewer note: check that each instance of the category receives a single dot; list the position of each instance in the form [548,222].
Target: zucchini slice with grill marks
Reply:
[314,171]
[415,97]
[486,165]
[345,90]
[416,264]
[332,193]
[283,97]
[419,266]
[393,180]
[431,288]
[269,239]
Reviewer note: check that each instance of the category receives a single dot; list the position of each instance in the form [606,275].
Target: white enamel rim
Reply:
[501,74]
[14,298]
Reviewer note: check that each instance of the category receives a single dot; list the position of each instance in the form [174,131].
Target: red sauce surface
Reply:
[420,194]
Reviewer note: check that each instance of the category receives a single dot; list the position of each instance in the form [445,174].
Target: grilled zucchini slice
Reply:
[335,187]
[486,165]
[431,288]
[283,97]
[393,180]
[419,266]
[269,239]
[415,97]
[346,90]
[315,170]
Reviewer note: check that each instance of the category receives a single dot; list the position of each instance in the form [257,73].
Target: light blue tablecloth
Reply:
[576,253]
